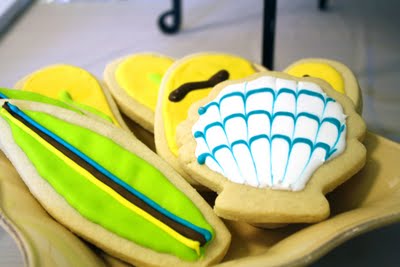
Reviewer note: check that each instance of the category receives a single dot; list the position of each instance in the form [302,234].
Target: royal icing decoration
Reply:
[198,69]
[24,95]
[140,76]
[109,185]
[180,93]
[319,70]
[73,85]
[269,132]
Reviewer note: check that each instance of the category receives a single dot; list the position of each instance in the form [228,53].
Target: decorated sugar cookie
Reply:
[21,95]
[271,146]
[30,96]
[339,76]
[98,181]
[187,81]
[74,86]
[134,82]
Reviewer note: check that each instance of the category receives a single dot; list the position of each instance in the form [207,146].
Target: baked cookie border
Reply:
[266,206]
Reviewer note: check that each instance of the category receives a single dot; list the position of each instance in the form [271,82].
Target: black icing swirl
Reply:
[180,93]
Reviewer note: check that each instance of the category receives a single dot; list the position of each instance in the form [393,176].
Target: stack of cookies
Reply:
[127,163]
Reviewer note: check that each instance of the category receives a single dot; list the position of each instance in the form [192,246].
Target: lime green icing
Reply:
[26,95]
[96,205]
[67,98]
[155,78]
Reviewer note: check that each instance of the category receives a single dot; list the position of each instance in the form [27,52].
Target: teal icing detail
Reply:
[270,116]
[207,235]
[3,96]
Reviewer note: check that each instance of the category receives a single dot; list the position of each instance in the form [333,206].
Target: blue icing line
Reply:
[293,131]
[270,141]
[2,96]
[198,134]
[203,160]
[315,138]
[313,146]
[238,142]
[202,110]
[260,90]
[333,121]
[301,140]
[226,136]
[239,94]
[247,136]
[283,114]
[286,91]
[150,202]
[234,115]
[242,97]
[259,112]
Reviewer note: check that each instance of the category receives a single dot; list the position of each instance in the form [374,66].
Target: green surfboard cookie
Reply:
[144,214]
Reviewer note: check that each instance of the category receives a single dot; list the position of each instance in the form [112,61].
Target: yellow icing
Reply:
[198,68]
[80,84]
[319,70]
[195,245]
[139,75]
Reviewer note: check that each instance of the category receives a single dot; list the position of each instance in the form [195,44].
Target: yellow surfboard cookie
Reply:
[187,81]
[134,82]
[74,86]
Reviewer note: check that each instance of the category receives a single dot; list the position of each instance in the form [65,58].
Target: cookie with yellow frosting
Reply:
[134,82]
[98,181]
[20,96]
[338,75]
[74,86]
[272,145]
[188,80]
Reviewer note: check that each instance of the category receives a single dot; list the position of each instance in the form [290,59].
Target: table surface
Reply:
[361,34]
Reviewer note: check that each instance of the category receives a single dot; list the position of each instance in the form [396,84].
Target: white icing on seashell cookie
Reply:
[338,75]
[272,145]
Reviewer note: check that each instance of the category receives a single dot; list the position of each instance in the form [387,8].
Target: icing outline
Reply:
[190,243]
[206,152]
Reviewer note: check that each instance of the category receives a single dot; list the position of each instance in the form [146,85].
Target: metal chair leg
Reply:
[175,14]
[269,33]
[322,5]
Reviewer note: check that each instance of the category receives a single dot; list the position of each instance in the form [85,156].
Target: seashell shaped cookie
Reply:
[271,146]
[98,181]
[74,86]
[338,75]
[134,82]
[188,80]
